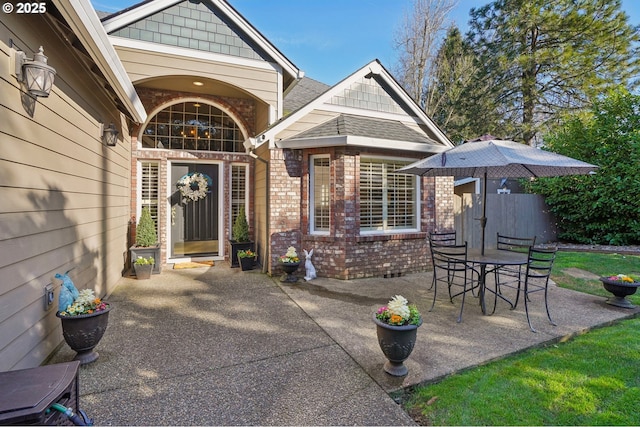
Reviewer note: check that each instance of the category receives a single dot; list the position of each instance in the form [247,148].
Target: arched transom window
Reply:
[193,126]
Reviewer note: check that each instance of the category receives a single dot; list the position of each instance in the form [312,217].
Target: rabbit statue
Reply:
[310,270]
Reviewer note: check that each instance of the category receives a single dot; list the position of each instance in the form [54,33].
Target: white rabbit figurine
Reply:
[310,270]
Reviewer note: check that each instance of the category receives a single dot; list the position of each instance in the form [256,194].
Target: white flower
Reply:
[399,305]
[291,252]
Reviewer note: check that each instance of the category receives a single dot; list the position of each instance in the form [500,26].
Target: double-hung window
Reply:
[388,201]
[320,195]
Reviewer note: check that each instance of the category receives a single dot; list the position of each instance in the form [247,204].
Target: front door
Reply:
[194,210]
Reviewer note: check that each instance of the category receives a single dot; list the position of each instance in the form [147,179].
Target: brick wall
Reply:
[345,254]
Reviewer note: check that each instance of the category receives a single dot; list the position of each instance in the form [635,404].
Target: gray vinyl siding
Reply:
[65,196]
[192,26]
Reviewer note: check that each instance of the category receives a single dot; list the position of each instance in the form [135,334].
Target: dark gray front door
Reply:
[194,223]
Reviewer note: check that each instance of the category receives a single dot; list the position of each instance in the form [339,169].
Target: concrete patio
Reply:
[218,346]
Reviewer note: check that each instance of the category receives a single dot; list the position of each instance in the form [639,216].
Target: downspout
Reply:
[265,257]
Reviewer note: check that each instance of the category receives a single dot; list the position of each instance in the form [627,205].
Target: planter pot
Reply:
[289,268]
[620,290]
[235,247]
[82,333]
[151,251]
[143,271]
[247,263]
[396,342]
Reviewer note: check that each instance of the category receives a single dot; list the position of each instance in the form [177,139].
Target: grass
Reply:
[593,379]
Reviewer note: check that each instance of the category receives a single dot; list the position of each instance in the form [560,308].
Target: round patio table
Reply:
[494,259]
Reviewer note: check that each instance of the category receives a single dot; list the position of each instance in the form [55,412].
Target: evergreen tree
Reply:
[603,208]
[542,57]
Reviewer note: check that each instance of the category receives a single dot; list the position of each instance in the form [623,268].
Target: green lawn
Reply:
[593,379]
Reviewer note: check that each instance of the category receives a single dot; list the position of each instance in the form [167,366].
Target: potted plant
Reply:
[290,263]
[84,319]
[620,285]
[146,243]
[143,267]
[247,259]
[397,325]
[240,237]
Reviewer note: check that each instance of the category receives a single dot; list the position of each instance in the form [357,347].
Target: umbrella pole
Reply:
[483,220]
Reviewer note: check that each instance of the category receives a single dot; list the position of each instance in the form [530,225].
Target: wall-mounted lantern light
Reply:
[110,135]
[35,73]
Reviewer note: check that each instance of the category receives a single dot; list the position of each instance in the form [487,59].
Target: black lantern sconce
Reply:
[35,73]
[110,135]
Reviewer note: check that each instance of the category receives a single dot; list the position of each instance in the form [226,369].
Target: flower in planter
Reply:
[398,312]
[145,261]
[85,303]
[623,278]
[246,253]
[290,257]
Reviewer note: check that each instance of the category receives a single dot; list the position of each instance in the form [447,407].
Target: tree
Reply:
[544,57]
[453,93]
[603,208]
[417,41]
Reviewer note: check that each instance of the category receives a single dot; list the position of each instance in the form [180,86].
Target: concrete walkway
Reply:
[218,346]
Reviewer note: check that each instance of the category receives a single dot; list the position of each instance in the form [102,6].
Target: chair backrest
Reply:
[515,244]
[446,255]
[443,239]
[540,262]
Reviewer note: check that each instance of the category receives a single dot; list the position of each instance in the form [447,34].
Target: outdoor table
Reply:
[495,258]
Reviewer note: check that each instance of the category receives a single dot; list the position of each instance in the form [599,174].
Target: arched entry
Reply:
[191,140]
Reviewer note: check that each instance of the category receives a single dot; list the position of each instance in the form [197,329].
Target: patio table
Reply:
[496,259]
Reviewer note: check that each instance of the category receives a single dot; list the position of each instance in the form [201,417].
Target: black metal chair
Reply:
[536,278]
[511,275]
[441,239]
[450,266]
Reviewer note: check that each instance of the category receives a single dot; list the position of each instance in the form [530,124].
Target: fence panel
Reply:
[523,215]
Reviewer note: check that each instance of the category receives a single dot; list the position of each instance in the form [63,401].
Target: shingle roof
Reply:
[352,125]
[304,92]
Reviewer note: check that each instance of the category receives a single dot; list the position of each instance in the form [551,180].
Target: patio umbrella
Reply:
[494,158]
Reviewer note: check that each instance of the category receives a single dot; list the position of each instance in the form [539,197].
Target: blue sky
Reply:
[330,39]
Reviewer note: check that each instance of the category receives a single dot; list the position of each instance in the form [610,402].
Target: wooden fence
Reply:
[524,215]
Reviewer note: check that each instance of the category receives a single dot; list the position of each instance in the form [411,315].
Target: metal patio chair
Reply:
[536,278]
[450,267]
[511,276]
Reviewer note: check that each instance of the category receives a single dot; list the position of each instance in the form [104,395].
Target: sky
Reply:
[331,39]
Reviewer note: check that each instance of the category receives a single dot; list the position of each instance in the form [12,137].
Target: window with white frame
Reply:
[149,188]
[238,190]
[388,201]
[320,195]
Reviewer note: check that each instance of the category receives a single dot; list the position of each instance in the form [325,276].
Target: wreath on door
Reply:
[194,186]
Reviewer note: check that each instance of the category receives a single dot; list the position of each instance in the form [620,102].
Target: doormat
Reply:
[193,264]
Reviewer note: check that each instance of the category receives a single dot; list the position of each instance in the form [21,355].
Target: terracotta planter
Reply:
[83,333]
[396,342]
[620,290]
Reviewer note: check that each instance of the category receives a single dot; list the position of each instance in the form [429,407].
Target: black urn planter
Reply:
[620,290]
[289,268]
[396,342]
[83,333]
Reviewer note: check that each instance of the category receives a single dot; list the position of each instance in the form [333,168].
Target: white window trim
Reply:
[311,202]
[417,200]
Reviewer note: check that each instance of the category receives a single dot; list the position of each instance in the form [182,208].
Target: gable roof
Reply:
[304,92]
[372,110]
[237,22]
[83,21]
